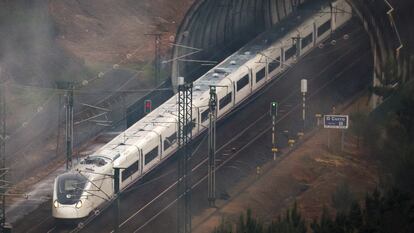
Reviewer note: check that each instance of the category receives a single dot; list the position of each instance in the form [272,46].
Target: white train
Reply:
[153,139]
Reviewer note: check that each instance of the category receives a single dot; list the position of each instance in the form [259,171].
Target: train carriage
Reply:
[153,139]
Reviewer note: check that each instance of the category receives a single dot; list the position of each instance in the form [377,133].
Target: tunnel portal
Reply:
[213,29]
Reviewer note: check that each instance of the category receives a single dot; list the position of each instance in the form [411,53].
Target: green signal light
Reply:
[273,108]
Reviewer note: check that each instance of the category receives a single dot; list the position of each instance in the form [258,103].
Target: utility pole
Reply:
[185,127]
[68,86]
[3,169]
[212,147]
[157,49]
[69,125]
[58,125]
[117,200]
[273,114]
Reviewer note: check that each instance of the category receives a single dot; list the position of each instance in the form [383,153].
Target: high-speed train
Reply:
[153,139]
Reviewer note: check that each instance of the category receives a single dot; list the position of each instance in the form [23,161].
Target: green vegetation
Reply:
[394,146]
[342,198]
[392,212]
[291,222]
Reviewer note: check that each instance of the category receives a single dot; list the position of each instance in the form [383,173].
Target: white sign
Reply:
[335,121]
[303,85]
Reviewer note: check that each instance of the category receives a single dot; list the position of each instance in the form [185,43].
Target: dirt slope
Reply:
[105,31]
[308,175]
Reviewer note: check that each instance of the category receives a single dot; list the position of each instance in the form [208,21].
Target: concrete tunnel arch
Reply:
[219,27]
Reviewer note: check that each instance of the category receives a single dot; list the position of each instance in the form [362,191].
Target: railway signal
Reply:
[273,108]
[147,106]
[304,90]
[273,113]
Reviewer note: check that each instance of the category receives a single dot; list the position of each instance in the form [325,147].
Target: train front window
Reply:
[94,160]
[70,188]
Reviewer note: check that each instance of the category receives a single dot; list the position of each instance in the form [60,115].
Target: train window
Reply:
[169,141]
[151,155]
[273,65]
[204,115]
[70,187]
[225,100]
[324,27]
[129,171]
[307,40]
[290,52]
[94,160]
[260,74]
[242,82]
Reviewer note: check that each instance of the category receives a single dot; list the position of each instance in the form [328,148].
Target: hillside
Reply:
[105,31]
[48,41]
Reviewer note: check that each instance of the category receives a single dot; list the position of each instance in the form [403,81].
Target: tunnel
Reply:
[213,29]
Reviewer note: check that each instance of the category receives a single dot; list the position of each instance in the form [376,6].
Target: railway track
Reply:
[227,153]
[242,139]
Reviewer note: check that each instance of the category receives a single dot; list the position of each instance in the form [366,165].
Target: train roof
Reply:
[165,116]
[263,42]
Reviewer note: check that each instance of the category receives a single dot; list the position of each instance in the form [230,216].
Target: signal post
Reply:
[303,90]
[212,147]
[273,114]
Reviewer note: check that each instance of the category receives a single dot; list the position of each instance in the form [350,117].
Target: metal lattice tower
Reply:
[185,126]
[69,126]
[3,169]
[212,147]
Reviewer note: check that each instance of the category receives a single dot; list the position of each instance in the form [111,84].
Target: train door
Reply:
[204,111]
[274,62]
[258,66]
[241,84]
[151,151]
[341,14]
[290,51]
[323,26]
[224,99]
[169,140]
[130,166]
[306,35]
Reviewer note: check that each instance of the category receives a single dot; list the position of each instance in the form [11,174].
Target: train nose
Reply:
[65,212]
